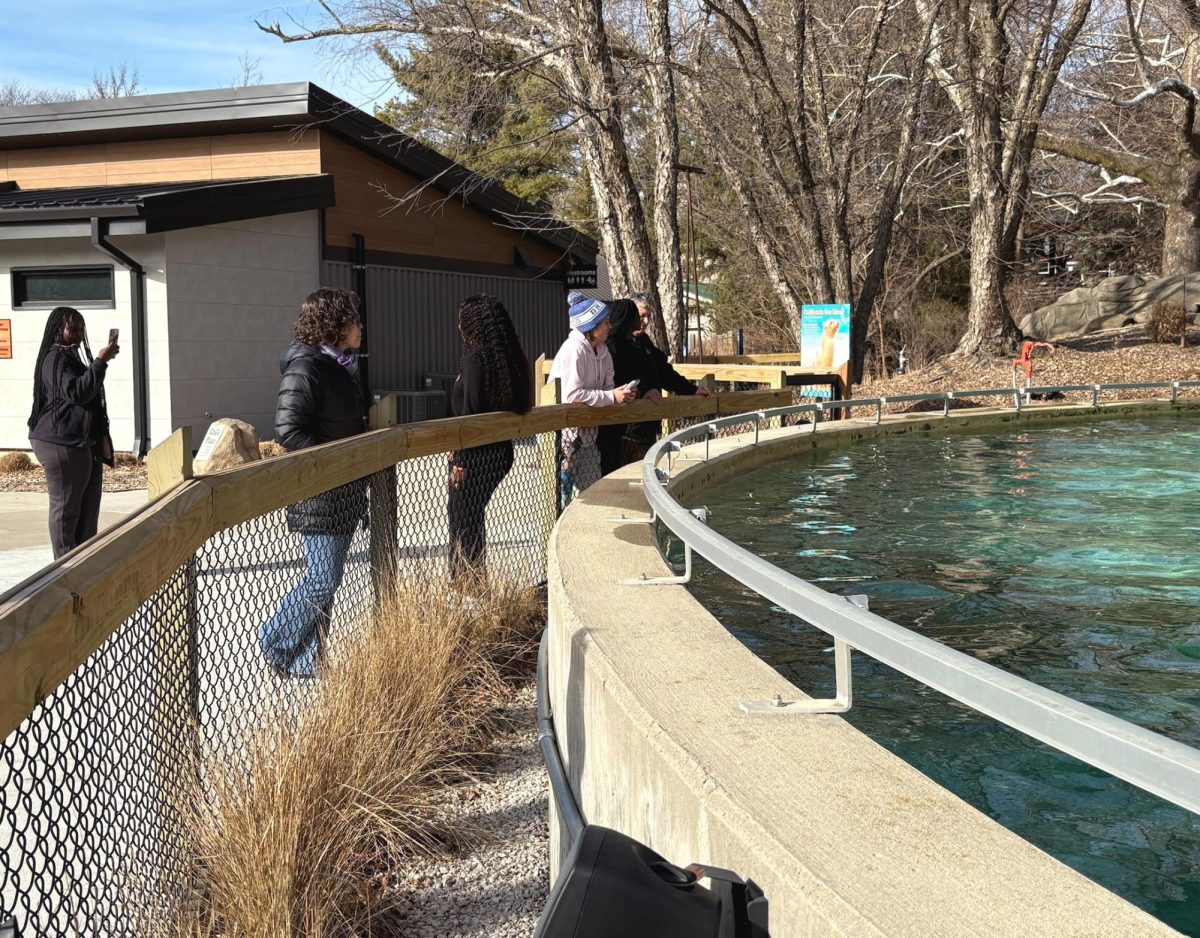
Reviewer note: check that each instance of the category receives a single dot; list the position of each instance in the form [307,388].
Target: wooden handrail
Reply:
[51,624]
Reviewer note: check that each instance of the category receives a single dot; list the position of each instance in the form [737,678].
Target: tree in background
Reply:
[568,46]
[998,65]
[1142,82]
[509,127]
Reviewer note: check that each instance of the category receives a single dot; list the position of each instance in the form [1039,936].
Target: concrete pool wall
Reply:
[845,838]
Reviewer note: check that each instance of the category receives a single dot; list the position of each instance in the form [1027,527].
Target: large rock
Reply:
[229,442]
[1110,304]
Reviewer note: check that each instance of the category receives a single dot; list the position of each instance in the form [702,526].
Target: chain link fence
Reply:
[89,782]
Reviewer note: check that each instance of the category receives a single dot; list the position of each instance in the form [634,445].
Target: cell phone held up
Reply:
[113,335]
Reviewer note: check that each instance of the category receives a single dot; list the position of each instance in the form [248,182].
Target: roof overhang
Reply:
[39,214]
[296,107]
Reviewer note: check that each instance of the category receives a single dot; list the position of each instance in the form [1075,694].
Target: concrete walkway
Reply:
[25,536]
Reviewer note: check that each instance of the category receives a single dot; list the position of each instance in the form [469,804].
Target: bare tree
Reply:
[15,94]
[1151,66]
[249,71]
[119,81]
[568,44]
[813,118]
[998,64]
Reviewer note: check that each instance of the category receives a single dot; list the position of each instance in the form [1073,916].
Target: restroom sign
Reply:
[5,338]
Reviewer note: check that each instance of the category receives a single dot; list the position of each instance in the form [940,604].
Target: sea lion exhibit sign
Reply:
[5,338]
[824,338]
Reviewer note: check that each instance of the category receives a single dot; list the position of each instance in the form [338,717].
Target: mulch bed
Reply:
[126,477]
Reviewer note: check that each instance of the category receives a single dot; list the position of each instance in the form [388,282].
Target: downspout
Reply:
[360,287]
[137,293]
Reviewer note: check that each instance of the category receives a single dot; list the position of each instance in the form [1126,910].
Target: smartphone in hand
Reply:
[632,385]
[113,335]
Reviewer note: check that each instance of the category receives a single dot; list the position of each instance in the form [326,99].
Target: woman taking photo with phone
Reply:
[68,426]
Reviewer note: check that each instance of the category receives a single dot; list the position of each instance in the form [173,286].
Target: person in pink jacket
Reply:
[585,368]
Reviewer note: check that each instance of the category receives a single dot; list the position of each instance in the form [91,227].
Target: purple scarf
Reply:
[348,359]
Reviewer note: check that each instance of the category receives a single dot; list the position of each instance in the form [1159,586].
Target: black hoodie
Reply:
[319,401]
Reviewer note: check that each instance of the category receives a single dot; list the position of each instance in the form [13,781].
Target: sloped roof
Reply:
[296,106]
[152,207]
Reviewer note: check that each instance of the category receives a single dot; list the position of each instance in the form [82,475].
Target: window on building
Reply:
[63,286]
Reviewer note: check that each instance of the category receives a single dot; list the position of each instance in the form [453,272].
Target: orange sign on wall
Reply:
[5,338]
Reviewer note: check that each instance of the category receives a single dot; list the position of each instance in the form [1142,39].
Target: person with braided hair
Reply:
[68,427]
[495,376]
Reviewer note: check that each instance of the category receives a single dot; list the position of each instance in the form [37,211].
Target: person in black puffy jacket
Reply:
[495,377]
[635,356]
[320,400]
[68,427]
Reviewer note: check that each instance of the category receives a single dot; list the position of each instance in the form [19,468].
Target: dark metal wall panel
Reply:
[411,317]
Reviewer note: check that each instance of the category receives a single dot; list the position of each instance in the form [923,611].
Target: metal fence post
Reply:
[384,529]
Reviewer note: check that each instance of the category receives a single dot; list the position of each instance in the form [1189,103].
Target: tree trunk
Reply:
[990,329]
[1181,231]
[590,79]
[666,180]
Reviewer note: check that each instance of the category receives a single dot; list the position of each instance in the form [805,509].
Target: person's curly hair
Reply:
[324,316]
[488,332]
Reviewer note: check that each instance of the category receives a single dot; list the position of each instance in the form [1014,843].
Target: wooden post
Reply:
[779,380]
[385,537]
[539,378]
[170,463]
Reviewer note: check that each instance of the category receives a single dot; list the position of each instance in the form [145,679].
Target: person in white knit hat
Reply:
[585,368]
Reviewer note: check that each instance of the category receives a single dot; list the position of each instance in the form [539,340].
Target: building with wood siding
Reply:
[197,222]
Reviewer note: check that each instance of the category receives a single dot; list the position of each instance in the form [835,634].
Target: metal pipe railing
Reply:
[1141,757]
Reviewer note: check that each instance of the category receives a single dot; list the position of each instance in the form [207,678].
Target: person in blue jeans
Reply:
[320,400]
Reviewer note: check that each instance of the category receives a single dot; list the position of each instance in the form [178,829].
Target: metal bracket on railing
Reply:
[816,416]
[946,403]
[700,514]
[711,432]
[760,417]
[843,685]
[1174,391]
[653,519]
[879,410]
[1095,395]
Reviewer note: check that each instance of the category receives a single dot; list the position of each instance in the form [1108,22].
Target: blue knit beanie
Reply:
[587,314]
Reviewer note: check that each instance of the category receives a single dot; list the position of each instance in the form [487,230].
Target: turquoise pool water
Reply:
[1068,556]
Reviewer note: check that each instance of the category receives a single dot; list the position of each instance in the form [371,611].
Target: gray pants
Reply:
[74,477]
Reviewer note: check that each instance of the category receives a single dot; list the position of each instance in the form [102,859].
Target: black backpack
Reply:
[611,886]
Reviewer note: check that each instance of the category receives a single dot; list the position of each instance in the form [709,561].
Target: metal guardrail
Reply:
[1139,756]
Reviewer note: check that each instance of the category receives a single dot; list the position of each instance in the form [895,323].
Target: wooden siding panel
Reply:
[54,167]
[165,161]
[277,153]
[435,226]
[180,159]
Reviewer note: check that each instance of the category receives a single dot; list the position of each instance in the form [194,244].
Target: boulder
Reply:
[229,442]
[1112,303]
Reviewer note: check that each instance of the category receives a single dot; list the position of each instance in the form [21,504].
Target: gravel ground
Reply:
[496,882]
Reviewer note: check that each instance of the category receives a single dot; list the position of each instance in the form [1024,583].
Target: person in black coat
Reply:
[635,356]
[495,376]
[68,427]
[320,400]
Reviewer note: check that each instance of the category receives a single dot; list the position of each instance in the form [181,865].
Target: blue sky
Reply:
[177,45]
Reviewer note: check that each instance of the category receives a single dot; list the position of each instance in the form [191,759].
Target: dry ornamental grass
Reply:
[307,836]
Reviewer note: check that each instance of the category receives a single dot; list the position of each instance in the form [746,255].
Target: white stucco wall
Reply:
[16,374]
[235,290]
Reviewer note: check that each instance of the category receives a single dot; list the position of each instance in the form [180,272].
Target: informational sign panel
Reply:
[5,338]
[211,439]
[825,336]
[582,278]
